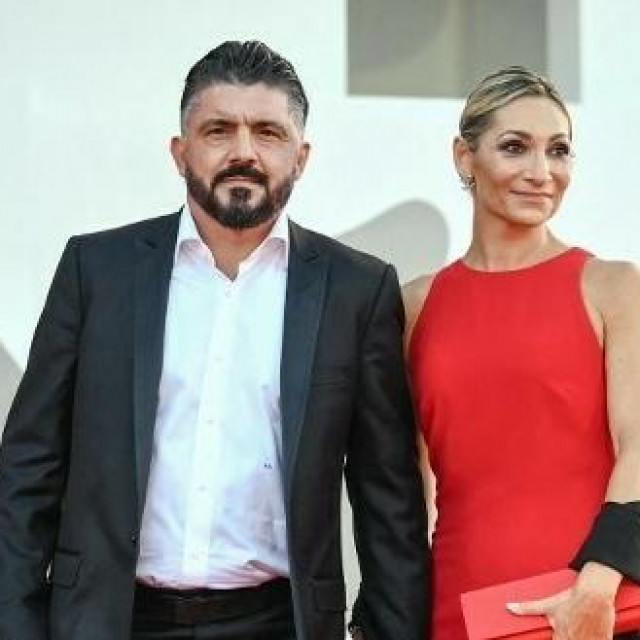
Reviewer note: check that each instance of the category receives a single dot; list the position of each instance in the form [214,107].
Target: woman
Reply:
[524,359]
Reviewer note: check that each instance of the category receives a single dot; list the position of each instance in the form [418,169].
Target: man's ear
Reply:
[301,161]
[177,148]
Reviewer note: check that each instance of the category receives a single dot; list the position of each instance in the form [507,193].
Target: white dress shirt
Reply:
[214,511]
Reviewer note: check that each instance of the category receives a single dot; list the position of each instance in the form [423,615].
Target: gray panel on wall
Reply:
[441,48]
[498,33]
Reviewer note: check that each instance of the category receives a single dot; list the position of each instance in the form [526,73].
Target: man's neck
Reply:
[229,247]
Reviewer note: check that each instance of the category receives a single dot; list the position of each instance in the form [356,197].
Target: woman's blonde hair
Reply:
[498,89]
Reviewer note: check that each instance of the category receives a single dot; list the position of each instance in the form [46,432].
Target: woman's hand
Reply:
[584,612]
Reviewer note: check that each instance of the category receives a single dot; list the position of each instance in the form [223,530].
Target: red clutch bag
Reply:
[487,618]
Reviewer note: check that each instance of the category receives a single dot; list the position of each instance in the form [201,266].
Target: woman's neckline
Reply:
[518,270]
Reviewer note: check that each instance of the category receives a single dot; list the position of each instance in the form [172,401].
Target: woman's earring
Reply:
[468,182]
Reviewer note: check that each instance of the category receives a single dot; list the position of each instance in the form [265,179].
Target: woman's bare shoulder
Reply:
[611,277]
[611,285]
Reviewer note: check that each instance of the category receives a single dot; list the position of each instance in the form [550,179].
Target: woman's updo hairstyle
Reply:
[498,89]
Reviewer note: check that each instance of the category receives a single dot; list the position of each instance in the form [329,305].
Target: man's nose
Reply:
[243,149]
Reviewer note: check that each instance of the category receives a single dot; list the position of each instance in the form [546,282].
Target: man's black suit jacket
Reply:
[75,455]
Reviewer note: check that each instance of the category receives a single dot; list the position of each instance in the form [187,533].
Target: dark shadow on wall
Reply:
[413,236]
[10,375]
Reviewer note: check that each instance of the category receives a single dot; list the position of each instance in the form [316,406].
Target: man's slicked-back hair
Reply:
[245,63]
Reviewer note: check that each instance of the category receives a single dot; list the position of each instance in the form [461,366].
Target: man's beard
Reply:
[239,213]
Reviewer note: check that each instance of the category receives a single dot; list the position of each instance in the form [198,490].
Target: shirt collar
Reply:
[188,233]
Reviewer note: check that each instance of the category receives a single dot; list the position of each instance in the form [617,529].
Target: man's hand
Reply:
[584,612]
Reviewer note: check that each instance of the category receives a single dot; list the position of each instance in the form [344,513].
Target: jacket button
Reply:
[134,539]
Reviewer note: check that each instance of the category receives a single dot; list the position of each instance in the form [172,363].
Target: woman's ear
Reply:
[463,158]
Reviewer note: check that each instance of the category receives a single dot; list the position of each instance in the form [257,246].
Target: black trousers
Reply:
[270,619]
[276,626]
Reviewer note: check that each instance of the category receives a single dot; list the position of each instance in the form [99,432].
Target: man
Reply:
[197,384]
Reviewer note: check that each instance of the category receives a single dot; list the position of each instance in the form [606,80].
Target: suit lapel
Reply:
[153,264]
[306,286]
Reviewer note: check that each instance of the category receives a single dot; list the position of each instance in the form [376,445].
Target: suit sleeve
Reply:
[34,458]
[384,485]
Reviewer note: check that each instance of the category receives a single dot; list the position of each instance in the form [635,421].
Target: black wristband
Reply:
[614,540]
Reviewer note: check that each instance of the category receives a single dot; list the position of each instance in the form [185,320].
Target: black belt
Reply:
[196,606]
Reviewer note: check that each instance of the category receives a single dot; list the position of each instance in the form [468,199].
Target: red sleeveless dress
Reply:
[509,386]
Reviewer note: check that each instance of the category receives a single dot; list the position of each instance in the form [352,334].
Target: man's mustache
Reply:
[240,171]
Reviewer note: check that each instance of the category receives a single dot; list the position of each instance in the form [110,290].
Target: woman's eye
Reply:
[512,147]
[561,150]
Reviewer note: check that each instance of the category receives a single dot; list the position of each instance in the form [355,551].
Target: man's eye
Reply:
[269,133]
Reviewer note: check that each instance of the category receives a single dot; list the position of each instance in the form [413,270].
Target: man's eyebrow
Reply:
[218,121]
[222,121]
[269,123]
